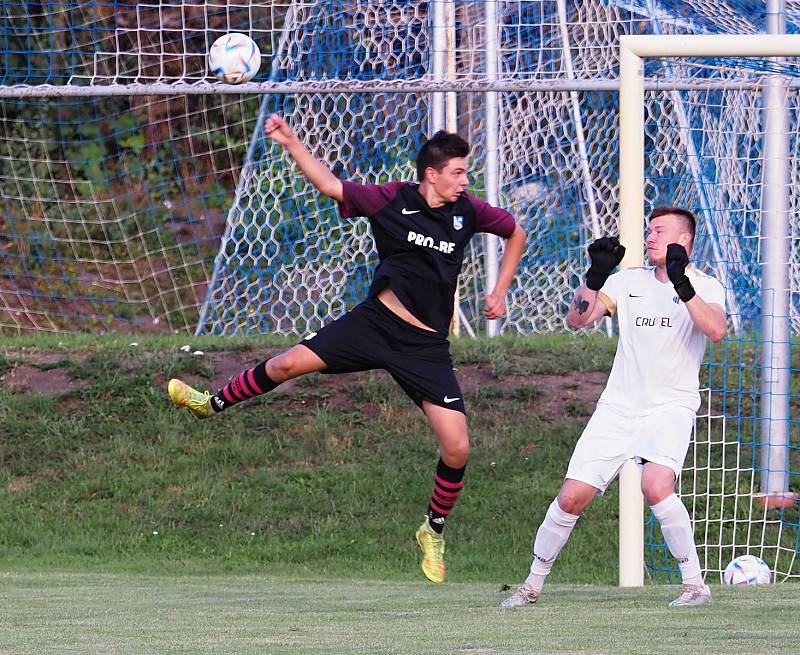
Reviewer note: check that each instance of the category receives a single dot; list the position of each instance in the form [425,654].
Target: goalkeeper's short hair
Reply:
[663,210]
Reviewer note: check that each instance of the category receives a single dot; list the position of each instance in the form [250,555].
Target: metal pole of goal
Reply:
[491,242]
[775,285]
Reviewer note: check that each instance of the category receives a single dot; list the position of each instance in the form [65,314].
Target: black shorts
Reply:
[372,337]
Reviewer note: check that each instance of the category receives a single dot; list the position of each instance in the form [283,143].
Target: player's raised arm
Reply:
[586,308]
[277,129]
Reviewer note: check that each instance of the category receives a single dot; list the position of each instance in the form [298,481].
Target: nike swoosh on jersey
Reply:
[451,400]
[410,211]
[630,295]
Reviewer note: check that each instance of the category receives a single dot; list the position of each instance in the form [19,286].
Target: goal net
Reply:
[139,195]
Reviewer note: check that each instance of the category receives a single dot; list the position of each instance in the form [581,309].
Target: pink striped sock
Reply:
[447,485]
[247,384]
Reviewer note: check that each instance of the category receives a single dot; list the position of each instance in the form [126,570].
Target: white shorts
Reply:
[610,439]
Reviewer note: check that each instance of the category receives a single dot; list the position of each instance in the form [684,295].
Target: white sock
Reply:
[679,536]
[550,539]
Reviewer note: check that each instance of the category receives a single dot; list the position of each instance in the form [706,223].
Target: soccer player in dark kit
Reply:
[420,232]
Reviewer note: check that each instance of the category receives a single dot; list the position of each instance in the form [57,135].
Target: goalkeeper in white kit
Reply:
[647,410]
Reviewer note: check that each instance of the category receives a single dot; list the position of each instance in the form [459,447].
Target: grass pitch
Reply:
[286,527]
[326,476]
[123,613]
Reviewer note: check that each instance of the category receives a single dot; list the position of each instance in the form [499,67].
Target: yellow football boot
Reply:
[198,403]
[432,545]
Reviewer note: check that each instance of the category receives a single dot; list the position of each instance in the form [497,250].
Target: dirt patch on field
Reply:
[573,394]
[38,371]
[26,378]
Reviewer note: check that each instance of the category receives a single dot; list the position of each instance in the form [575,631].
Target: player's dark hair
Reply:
[438,150]
[663,210]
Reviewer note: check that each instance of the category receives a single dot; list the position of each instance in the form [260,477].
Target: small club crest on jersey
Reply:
[458,222]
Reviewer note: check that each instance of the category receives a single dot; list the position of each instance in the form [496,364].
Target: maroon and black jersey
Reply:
[421,248]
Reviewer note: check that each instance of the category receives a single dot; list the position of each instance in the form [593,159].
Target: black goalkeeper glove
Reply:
[606,254]
[677,261]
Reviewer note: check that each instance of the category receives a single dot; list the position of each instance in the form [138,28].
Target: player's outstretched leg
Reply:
[248,384]
[251,382]
[197,402]
[551,537]
[432,546]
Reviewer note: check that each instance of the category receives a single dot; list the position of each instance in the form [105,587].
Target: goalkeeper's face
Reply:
[662,231]
[449,182]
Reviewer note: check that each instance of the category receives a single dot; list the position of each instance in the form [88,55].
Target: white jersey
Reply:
[660,350]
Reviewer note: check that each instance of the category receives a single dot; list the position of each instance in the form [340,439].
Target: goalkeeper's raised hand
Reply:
[677,261]
[605,254]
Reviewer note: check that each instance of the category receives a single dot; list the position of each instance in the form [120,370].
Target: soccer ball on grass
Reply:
[234,58]
[747,570]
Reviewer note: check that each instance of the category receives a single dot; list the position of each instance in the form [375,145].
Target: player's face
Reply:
[663,231]
[449,182]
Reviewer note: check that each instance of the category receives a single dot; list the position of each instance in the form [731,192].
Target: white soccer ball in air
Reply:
[747,569]
[234,58]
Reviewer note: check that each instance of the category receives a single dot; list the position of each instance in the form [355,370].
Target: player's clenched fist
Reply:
[677,261]
[605,254]
[277,129]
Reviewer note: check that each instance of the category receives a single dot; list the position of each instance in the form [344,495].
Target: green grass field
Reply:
[103,614]
[286,525]
[331,474]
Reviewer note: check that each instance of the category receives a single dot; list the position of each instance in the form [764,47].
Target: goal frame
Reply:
[633,49]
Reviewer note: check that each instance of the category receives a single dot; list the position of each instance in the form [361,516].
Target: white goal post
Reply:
[632,52]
